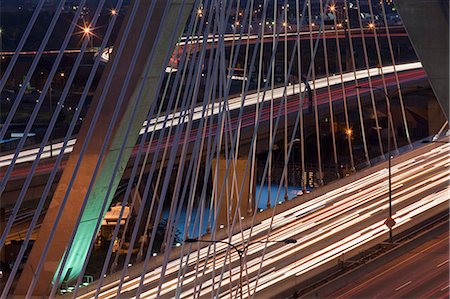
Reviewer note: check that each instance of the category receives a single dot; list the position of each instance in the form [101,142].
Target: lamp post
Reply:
[390,222]
[51,112]
[240,252]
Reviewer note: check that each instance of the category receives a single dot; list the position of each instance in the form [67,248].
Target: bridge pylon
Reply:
[162,22]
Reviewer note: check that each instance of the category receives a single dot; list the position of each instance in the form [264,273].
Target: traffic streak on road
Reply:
[326,227]
[420,273]
[408,72]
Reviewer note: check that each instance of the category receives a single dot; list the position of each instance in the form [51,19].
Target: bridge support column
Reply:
[164,24]
[226,206]
[428,27]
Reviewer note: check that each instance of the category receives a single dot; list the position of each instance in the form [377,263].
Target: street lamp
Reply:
[390,222]
[88,33]
[240,252]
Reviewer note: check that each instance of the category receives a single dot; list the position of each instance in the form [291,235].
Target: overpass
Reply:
[409,73]
[330,224]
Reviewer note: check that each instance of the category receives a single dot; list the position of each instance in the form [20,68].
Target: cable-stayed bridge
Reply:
[205,118]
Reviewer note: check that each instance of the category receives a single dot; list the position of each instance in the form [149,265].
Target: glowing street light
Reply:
[371,26]
[87,30]
[240,252]
[349,132]
[113,12]
[390,222]
[332,8]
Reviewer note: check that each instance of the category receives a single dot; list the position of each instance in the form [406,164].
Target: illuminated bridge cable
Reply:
[144,163]
[65,143]
[82,152]
[135,166]
[217,134]
[348,129]
[200,136]
[286,79]
[164,185]
[154,161]
[299,23]
[102,47]
[380,65]
[48,132]
[39,103]
[330,102]
[245,71]
[310,71]
[232,145]
[18,99]
[36,59]
[313,101]
[272,87]
[348,30]
[277,119]
[397,81]
[193,185]
[367,65]
[253,139]
[220,197]
[20,45]
[22,141]
[198,216]
[147,188]
[149,180]
[184,82]
[208,167]
[146,24]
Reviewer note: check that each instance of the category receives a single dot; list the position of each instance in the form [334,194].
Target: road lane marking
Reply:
[403,285]
[361,285]
[443,263]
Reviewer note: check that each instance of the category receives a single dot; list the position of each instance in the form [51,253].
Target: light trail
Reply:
[348,217]
[234,104]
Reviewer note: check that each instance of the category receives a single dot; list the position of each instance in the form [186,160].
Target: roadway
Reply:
[232,38]
[343,220]
[420,273]
[408,72]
